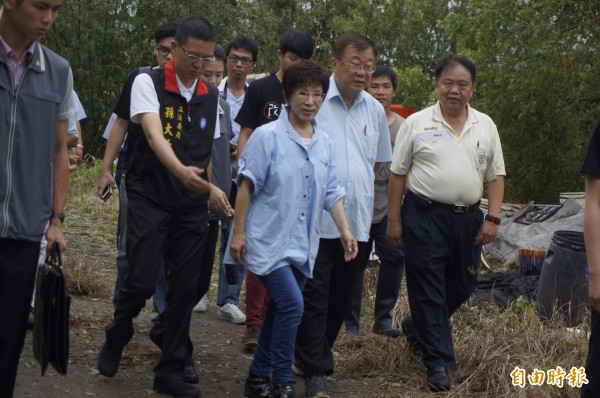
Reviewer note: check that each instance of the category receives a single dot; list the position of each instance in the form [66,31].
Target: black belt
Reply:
[424,201]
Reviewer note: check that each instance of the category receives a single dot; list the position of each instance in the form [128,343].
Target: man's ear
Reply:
[333,64]
[8,4]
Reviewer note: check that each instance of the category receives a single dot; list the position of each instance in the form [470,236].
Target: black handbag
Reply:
[51,315]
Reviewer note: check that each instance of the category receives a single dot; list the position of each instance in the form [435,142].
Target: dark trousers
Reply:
[441,272]
[18,264]
[592,364]
[158,323]
[327,299]
[181,236]
[389,279]
[209,258]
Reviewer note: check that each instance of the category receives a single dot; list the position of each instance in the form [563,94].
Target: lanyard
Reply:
[224,96]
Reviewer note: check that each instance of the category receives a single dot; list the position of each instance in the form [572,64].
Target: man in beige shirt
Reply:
[447,153]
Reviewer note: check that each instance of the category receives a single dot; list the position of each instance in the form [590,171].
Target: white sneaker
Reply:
[202,305]
[232,313]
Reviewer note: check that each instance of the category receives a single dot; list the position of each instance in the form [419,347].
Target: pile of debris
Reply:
[503,288]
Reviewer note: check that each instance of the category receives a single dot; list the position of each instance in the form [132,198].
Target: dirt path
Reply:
[219,357]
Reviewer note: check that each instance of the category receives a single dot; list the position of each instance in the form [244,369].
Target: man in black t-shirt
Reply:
[262,104]
[591,169]
[264,97]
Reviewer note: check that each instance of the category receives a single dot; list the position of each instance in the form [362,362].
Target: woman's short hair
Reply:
[304,74]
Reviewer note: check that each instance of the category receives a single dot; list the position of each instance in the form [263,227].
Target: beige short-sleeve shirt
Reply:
[443,166]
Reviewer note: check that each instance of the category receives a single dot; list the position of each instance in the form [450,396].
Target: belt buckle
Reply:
[460,209]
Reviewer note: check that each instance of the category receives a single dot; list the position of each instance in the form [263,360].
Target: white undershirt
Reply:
[145,100]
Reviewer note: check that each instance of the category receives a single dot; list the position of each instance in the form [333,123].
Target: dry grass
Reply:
[86,278]
[89,262]
[489,343]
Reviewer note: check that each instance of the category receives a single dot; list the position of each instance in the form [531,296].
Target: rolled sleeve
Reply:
[256,160]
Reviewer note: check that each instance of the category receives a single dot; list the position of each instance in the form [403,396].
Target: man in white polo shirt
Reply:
[447,153]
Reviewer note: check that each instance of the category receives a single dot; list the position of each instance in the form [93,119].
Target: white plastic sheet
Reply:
[513,236]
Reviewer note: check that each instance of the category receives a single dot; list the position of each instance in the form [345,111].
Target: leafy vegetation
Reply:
[538,61]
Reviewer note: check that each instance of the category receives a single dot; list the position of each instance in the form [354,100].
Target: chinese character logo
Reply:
[577,377]
[271,110]
[518,377]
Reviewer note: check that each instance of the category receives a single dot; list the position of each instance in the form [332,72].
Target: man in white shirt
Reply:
[357,126]
[446,154]
[175,119]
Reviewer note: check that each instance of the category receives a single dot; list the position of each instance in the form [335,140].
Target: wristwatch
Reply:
[494,219]
[58,214]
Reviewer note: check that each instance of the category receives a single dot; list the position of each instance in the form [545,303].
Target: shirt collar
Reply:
[9,51]
[438,117]
[287,126]
[224,82]
[333,92]
[185,91]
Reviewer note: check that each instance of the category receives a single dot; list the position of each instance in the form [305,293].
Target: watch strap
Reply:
[494,219]
[58,214]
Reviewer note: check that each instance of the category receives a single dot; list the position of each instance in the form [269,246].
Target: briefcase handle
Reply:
[54,259]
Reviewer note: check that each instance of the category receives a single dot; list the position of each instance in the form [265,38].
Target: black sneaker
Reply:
[316,387]
[411,339]
[284,390]
[258,387]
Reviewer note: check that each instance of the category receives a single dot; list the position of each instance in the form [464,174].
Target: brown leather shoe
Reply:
[250,338]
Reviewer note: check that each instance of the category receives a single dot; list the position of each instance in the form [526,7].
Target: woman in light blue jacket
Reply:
[287,177]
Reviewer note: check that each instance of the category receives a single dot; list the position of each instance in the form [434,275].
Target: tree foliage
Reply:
[539,80]
[538,61]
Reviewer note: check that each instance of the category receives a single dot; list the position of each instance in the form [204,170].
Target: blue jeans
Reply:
[226,293]
[122,265]
[275,353]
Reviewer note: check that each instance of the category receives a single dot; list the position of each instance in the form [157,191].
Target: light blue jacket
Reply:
[292,186]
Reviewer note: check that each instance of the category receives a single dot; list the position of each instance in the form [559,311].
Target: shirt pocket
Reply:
[371,146]
[41,95]
[481,158]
